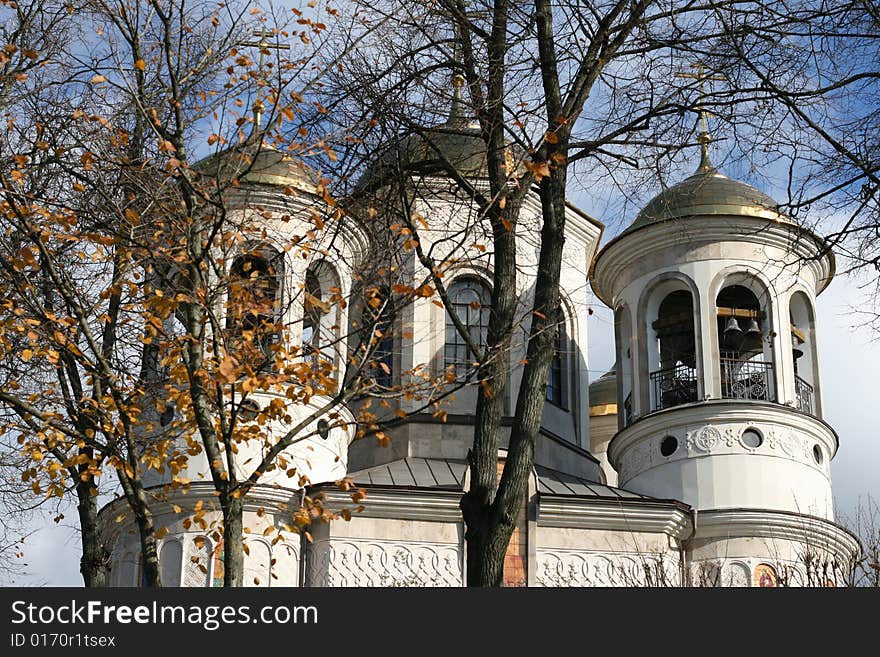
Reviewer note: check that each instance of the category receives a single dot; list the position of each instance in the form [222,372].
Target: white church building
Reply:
[701,459]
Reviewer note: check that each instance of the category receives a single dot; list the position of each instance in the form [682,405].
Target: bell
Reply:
[732,330]
[754,330]
[797,353]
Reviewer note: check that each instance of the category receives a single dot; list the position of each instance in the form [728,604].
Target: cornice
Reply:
[403,503]
[720,411]
[642,515]
[633,246]
[779,525]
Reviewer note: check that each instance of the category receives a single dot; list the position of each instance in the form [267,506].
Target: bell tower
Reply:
[713,291]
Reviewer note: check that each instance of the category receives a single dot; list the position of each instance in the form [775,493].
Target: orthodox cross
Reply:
[264,45]
[704,138]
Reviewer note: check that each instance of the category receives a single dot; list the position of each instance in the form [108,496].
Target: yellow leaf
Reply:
[551,137]
[98,78]
[140,65]
[26,355]
[161,533]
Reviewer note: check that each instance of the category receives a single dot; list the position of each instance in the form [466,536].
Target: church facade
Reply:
[701,459]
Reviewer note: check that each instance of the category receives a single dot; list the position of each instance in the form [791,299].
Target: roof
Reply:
[457,141]
[415,472]
[261,164]
[708,192]
[603,391]
[449,474]
[553,482]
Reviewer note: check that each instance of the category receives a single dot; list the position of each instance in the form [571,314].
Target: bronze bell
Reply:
[732,330]
[754,330]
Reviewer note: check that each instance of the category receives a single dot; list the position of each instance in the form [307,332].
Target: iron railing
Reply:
[673,386]
[804,392]
[747,379]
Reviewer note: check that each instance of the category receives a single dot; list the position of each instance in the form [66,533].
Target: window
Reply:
[746,356]
[254,298]
[321,316]
[378,334]
[471,303]
[311,332]
[675,381]
[556,376]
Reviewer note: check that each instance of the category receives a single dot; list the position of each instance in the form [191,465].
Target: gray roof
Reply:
[449,474]
[416,472]
[708,192]
[553,482]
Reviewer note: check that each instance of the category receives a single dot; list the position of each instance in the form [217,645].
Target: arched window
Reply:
[624,365]
[378,324]
[471,302]
[746,353]
[170,561]
[674,375]
[320,327]
[803,342]
[556,379]
[254,300]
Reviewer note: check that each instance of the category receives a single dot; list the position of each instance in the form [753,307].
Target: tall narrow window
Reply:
[675,382]
[254,298]
[311,331]
[383,333]
[746,356]
[803,342]
[471,303]
[556,376]
[321,315]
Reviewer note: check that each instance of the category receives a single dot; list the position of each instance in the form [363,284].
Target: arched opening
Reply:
[623,340]
[170,562]
[803,343]
[673,352]
[377,317]
[471,302]
[321,322]
[557,377]
[745,345]
[254,299]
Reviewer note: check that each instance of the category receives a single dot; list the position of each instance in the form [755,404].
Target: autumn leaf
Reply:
[140,65]
[538,169]
[226,369]
[98,79]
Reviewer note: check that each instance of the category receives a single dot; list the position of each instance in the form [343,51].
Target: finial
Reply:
[703,137]
[264,45]
[457,112]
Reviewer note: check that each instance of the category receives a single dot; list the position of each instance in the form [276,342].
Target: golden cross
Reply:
[704,138]
[264,45]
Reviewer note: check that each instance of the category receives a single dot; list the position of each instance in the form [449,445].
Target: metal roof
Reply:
[553,482]
[415,472]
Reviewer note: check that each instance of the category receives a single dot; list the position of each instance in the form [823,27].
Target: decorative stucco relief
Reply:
[381,563]
[559,568]
[717,438]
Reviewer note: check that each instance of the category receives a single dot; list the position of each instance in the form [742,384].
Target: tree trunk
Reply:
[233,553]
[94,565]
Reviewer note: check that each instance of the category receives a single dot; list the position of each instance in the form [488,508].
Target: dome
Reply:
[268,167]
[603,391]
[456,141]
[708,192]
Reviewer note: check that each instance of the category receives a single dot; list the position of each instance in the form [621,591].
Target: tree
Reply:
[143,322]
[550,90]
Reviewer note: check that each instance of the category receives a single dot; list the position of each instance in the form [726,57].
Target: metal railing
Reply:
[804,393]
[747,379]
[673,386]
